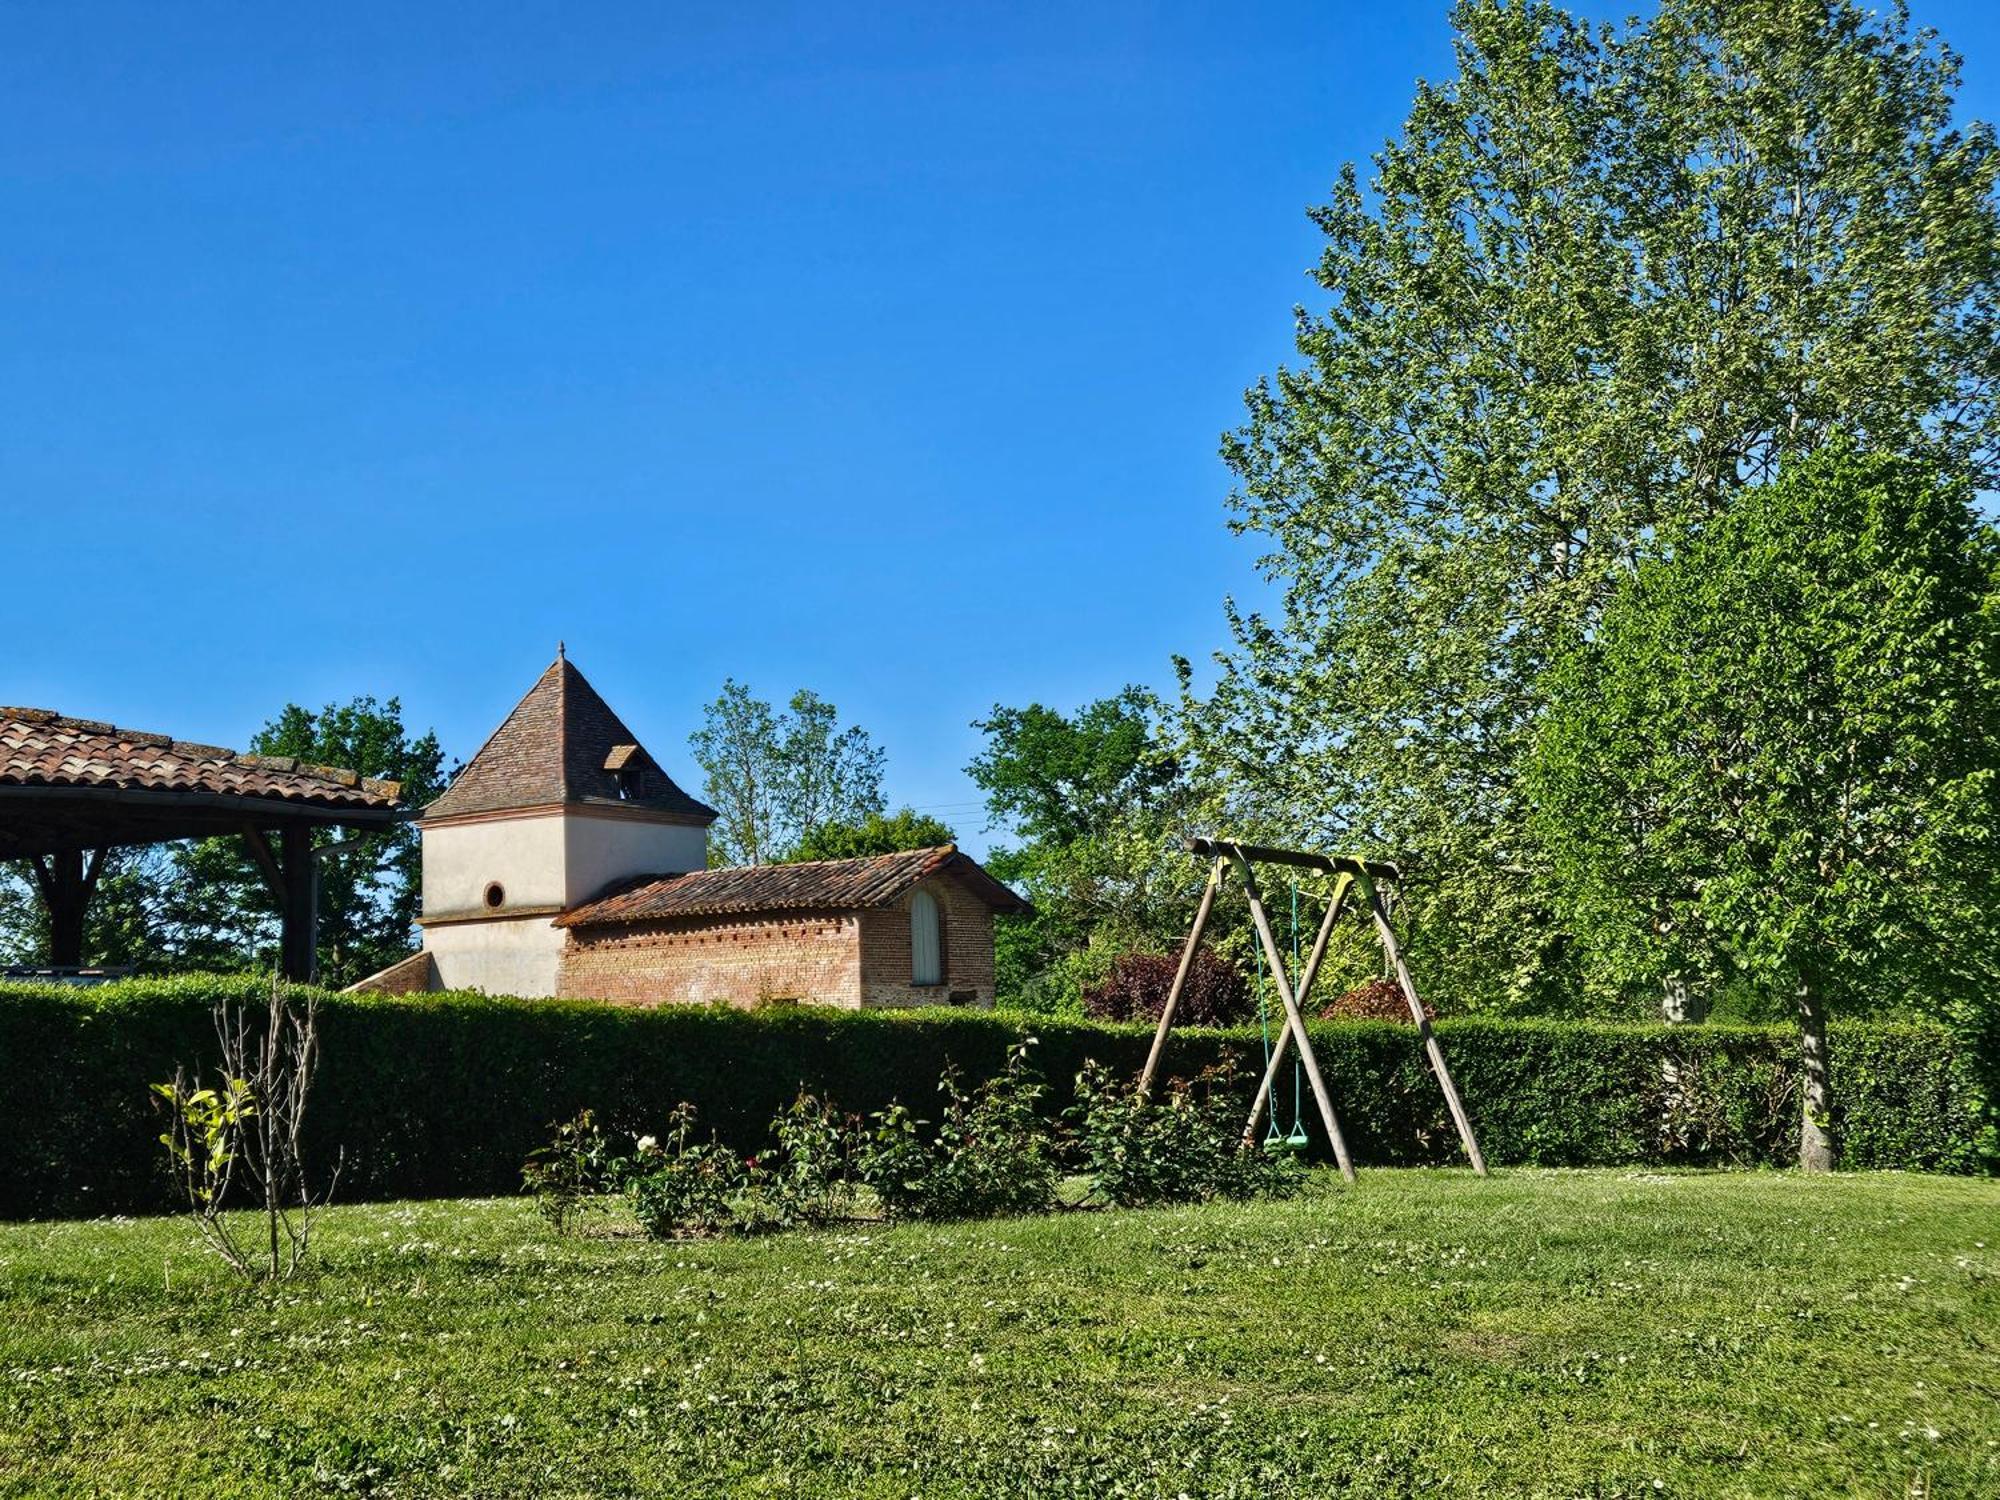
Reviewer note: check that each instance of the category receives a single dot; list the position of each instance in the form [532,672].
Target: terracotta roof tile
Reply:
[39,747]
[555,747]
[821,885]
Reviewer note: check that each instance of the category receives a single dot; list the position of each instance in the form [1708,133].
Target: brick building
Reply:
[914,928]
[564,861]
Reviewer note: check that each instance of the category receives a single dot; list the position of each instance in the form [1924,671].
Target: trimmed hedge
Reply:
[440,1095]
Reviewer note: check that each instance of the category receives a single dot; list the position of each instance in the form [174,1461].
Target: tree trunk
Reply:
[1815,1114]
[1680,1002]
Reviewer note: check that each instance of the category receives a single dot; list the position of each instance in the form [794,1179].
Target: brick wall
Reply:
[814,957]
[966,928]
[849,959]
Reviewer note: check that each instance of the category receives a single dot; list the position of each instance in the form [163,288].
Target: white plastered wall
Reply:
[525,855]
[543,862]
[502,956]
[601,849]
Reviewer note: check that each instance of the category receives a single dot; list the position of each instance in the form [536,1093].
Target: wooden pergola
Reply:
[73,789]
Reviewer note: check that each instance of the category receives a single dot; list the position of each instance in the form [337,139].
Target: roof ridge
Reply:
[494,733]
[858,882]
[845,859]
[563,669]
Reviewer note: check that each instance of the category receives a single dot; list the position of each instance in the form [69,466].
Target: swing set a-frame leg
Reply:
[1159,1048]
[1432,1050]
[1292,1017]
[1281,1051]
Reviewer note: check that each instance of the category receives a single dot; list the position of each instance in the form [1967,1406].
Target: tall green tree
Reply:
[219,910]
[877,833]
[1604,280]
[774,775]
[1779,756]
[1097,804]
[829,774]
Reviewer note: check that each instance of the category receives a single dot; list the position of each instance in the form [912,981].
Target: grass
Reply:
[1559,1333]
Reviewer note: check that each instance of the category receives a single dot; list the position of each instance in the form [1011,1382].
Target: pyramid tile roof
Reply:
[563,744]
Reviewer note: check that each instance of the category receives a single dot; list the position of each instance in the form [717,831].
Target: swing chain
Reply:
[1296,1139]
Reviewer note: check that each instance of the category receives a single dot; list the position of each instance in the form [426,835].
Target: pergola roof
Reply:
[69,784]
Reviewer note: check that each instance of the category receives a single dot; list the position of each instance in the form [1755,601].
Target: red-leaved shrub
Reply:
[1372,1000]
[1216,993]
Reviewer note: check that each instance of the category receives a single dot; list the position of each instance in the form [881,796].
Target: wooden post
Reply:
[1180,979]
[299,944]
[1431,1049]
[1311,972]
[67,879]
[291,873]
[1292,1016]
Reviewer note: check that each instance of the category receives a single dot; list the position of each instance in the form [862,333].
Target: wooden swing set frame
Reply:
[1350,874]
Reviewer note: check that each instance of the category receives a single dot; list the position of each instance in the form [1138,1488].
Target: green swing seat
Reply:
[1293,1144]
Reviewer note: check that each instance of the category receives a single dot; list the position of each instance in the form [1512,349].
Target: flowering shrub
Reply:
[1185,1148]
[811,1176]
[1371,1000]
[896,1162]
[575,1168]
[681,1188]
[992,1154]
[1216,993]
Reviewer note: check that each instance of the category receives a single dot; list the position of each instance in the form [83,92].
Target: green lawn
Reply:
[1562,1333]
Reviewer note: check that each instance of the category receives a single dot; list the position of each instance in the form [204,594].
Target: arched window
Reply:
[926,950]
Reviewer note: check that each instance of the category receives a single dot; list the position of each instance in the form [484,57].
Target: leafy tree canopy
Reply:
[222,913]
[773,776]
[1056,778]
[1603,281]
[1099,802]
[1780,753]
[878,833]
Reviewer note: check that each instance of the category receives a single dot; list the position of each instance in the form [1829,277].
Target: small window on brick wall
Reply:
[496,894]
[926,948]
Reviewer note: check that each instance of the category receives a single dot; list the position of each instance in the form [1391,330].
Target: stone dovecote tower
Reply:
[558,804]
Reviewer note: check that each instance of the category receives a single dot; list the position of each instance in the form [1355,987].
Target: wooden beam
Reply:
[1180,978]
[1431,1048]
[1292,1016]
[46,820]
[1332,864]
[267,862]
[1335,902]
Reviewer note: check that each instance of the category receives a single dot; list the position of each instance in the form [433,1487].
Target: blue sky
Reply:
[881,350]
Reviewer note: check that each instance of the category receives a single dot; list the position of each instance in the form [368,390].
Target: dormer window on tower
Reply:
[624,763]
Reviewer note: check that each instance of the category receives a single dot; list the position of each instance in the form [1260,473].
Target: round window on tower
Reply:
[496,894]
